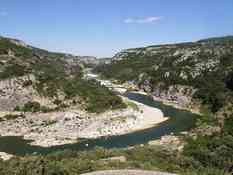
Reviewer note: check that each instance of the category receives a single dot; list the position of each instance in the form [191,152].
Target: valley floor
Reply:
[58,128]
[66,127]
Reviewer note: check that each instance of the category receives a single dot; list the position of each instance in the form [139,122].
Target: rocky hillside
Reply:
[33,79]
[89,61]
[179,72]
[188,75]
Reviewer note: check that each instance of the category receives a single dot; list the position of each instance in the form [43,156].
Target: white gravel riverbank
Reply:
[58,128]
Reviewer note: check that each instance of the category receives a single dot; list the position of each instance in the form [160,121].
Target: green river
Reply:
[179,120]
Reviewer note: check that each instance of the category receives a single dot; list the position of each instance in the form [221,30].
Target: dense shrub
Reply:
[97,97]
[213,151]
[72,163]
[31,107]
[6,45]
[13,70]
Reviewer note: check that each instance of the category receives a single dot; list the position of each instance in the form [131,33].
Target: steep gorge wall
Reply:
[16,92]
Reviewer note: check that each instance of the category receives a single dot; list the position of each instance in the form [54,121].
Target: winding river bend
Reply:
[179,120]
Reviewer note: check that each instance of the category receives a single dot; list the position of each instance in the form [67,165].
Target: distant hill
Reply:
[215,40]
[205,67]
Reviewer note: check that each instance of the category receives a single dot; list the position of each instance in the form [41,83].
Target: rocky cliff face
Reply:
[17,91]
[216,46]
[12,93]
[90,61]
[24,69]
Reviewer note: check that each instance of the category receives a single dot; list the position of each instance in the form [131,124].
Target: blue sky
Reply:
[103,27]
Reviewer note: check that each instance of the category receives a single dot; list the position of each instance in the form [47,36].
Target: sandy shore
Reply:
[58,128]
[150,116]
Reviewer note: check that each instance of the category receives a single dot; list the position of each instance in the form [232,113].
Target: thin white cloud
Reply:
[3,13]
[146,20]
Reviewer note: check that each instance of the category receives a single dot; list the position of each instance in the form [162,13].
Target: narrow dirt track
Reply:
[127,172]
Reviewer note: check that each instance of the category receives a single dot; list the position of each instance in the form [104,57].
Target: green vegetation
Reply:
[132,105]
[31,107]
[208,153]
[50,75]
[13,70]
[73,163]
[6,45]
[128,68]
[34,107]
[51,122]
[218,40]
[215,150]
[98,97]
[210,72]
